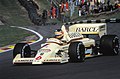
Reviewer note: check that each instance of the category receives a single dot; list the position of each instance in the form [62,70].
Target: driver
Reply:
[62,34]
[59,34]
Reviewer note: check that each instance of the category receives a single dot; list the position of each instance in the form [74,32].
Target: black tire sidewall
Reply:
[23,49]
[76,52]
[108,43]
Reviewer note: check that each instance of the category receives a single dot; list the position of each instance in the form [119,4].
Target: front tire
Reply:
[23,49]
[109,45]
[76,52]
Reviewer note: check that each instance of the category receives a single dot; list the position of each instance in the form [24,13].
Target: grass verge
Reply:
[12,13]
[9,35]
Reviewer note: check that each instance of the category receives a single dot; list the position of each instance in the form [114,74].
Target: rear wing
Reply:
[89,29]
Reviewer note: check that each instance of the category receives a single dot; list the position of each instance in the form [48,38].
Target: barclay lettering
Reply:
[87,29]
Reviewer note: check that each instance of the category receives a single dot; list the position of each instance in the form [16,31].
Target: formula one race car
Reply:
[72,45]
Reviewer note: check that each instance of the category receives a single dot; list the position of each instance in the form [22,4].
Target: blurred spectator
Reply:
[53,12]
[102,1]
[49,13]
[83,2]
[57,12]
[79,12]
[85,7]
[92,5]
[61,7]
[108,2]
[116,4]
[44,16]
[67,6]
[77,3]
[64,7]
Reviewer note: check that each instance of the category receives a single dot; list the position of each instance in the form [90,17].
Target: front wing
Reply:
[19,60]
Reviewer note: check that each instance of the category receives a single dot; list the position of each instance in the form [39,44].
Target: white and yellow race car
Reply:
[73,45]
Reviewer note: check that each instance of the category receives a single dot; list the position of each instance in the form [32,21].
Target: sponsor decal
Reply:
[66,47]
[64,60]
[102,28]
[53,60]
[87,29]
[23,60]
[38,58]
[72,35]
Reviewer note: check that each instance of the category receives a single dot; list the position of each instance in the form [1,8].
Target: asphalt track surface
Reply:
[104,67]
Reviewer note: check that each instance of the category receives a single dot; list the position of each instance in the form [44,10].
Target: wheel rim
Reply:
[81,56]
[115,45]
[25,50]
[78,51]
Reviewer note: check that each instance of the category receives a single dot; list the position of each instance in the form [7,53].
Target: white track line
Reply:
[39,35]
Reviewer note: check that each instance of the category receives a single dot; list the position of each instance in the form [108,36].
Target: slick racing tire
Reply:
[76,52]
[23,49]
[109,45]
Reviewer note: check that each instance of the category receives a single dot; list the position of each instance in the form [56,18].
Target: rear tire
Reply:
[23,49]
[76,52]
[109,45]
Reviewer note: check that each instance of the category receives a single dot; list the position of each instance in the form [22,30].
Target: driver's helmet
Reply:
[59,34]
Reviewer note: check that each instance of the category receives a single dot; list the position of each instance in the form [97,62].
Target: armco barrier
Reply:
[112,20]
